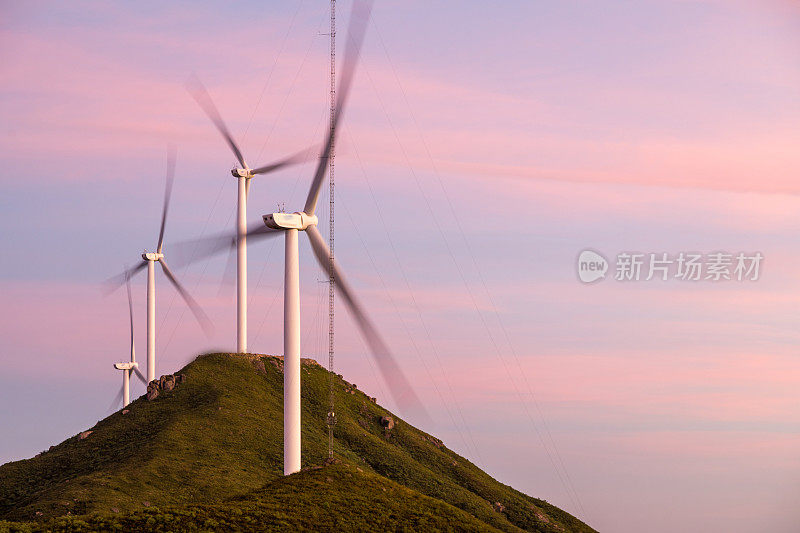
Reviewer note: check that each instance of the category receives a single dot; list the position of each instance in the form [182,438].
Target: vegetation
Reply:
[208,455]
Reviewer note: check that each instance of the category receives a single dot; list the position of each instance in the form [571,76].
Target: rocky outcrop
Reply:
[433,440]
[163,384]
[387,422]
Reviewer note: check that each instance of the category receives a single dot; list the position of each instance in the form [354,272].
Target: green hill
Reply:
[208,455]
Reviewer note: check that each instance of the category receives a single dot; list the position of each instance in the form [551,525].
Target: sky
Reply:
[482,150]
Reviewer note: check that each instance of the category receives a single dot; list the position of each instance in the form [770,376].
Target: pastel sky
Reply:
[484,147]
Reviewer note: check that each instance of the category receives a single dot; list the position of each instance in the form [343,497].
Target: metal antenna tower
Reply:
[331,413]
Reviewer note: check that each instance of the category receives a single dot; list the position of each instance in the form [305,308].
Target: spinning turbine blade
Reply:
[355,38]
[229,276]
[117,399]
[167,193]
[112,284]
[299,157]
[205,323]
[140,376]
[188,252]
[201,96]
[401,390]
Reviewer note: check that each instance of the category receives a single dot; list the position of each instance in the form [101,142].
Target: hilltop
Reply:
[208,455]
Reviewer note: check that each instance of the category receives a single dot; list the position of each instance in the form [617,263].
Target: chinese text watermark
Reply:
[683,266]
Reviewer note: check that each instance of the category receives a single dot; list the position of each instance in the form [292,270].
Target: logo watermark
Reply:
[662,266]
[591,266]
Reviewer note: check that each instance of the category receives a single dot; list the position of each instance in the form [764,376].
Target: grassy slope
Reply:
[219,436]
[310,500]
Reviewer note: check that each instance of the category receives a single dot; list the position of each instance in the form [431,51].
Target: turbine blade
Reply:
[188,252]
[112,284]
[140,376]
[202,318]
[167,193]
[294,159]
[400,388]
[117,399]
[229,276]
[355,38]
[203,99]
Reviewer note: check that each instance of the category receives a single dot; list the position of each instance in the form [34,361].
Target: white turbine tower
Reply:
[128,367]
[306,220]
[149,259]
[290,224]
[243,174]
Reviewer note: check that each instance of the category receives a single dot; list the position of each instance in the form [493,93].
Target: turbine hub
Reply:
[152,256]
[241,172]
[126,366]
[298,220]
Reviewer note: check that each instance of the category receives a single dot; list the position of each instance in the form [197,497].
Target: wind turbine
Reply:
[290,224]
[243,174]
[149,260]
[306,220]
[128,367]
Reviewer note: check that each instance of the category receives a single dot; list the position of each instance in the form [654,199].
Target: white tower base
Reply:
[126,387]
[241,268]
[291,356]
[151,320]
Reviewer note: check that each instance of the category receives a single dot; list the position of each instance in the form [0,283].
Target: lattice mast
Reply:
[331,413]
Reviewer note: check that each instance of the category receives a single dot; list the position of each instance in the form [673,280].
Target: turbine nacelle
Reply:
[152,256]
[241,172]
[297,220]
[129,365]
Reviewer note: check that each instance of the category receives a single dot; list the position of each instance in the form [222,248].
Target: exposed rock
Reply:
[85,434]
[115,509]
[499,507]
[166,383]
[146,503]
[387,422]
[539,514]
[373,399]
[331,461]
[163,384]
[433,440]
[260,368]
[126,411]
[152,390]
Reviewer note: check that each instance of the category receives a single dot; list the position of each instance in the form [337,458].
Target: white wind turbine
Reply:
[276,223]
[128,367]
[306,220]
[243,174]
[149,259]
